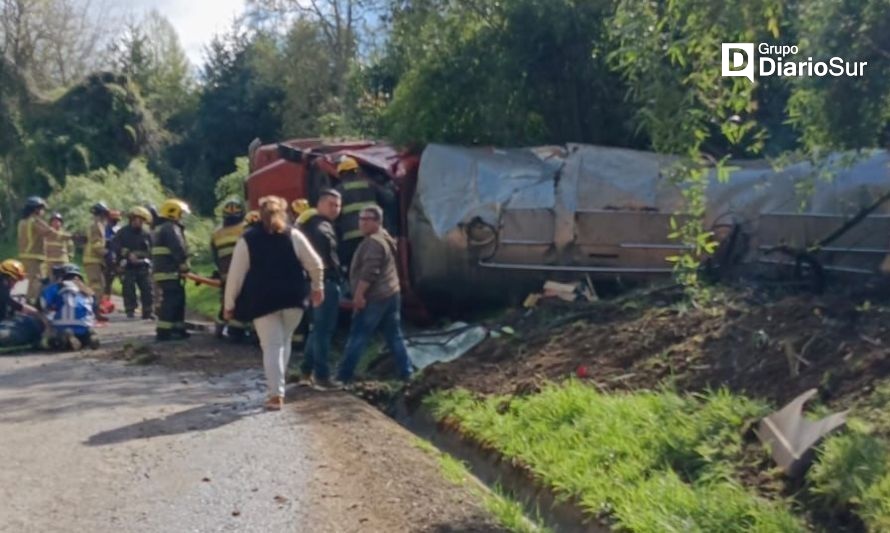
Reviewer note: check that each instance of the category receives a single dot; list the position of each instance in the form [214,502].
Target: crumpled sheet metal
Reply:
[791,437]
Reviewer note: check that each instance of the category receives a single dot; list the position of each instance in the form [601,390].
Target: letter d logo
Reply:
[737,59]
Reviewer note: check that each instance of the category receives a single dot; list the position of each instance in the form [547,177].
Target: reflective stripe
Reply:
[354,234]
[226,241]
[225,252]
[357,184]
[160,324]
[160,250]
[354,208]
[38,257]
[165,276]
[297,337]
[237,324]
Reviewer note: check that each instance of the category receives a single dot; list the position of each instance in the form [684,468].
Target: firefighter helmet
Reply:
[233,208]
[57,216]
[347,164]
[141,212]
[99,208]
[173,209]
[35,202]
[13,268]
[299,206]
[252,217]
[70,270]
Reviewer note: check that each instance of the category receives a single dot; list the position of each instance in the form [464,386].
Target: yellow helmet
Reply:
[173,209]
[13,268]
[346,164]
[299,206]
[306,215]
[252,217]
[142,213]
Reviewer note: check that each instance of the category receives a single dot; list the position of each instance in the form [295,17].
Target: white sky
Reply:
[196,21]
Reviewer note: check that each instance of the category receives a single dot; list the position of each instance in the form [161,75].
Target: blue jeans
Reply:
[386,314]
[324,324]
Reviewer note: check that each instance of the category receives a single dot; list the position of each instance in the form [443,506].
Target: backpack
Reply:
[72,309]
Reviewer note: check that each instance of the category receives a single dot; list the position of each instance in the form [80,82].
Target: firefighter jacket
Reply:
[31,233]
[357,193]
[222,244]
[57,248]
[94,251]
[129,240]
[169,252]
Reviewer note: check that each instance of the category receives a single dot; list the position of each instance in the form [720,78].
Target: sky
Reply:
[196,21]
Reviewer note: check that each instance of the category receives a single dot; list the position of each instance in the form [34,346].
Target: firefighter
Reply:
[110,264]
[357,193]
[222,244]
[32,230]
[132,247]
[94,254]
[56,246]
[299,209]
[170,260]
[251,219]
[20,324]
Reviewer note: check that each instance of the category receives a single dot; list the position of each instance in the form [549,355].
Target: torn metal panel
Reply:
[791,437]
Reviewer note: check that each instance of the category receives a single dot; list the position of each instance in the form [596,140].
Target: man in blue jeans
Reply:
[319,229]
[376,300]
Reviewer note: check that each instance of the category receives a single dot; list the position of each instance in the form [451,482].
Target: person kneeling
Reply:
[20,324]
[69,304]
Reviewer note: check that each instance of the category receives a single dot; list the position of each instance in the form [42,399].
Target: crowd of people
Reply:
[282,269]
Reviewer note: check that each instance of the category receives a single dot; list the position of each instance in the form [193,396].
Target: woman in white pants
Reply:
[267,284]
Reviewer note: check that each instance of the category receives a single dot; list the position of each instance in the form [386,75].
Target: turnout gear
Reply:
[14,269]
[357,193]
[134,248]
[222,244]
[32,231]
[170,260]
[173,209]
[94,256]
[57,249]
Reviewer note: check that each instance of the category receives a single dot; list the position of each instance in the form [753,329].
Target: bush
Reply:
[120,189]
[876,505]
[231,184]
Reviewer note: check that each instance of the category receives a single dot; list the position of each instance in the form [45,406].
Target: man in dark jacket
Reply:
[132,246]
[376,299]
[319,229]
[170,260]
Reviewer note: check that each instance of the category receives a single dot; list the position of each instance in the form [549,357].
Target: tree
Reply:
[56,42]
[151,54]
[527,71]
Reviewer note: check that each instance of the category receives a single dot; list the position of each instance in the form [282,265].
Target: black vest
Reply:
[276,279]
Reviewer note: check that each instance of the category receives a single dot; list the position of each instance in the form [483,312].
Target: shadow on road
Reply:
[201,418]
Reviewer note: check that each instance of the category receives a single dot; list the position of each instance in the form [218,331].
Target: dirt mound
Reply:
[766,347]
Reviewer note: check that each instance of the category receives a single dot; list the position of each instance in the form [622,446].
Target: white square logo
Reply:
[737,59]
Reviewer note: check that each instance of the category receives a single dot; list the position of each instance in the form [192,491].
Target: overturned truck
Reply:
[478,224]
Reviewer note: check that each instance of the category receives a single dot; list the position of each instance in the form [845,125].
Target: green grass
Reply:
[647,461]
[504,509]
[202,299]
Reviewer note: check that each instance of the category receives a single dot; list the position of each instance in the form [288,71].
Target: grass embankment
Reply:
[505,510]
[643,461]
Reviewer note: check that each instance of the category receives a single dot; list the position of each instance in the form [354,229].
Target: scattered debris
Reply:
[791,437]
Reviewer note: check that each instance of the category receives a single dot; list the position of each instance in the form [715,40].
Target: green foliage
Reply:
[652,461]
[848,467]
[202,299]
[843,112]
[198,231]
[522,72]
[135,185]
[231,184]
[876,505]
